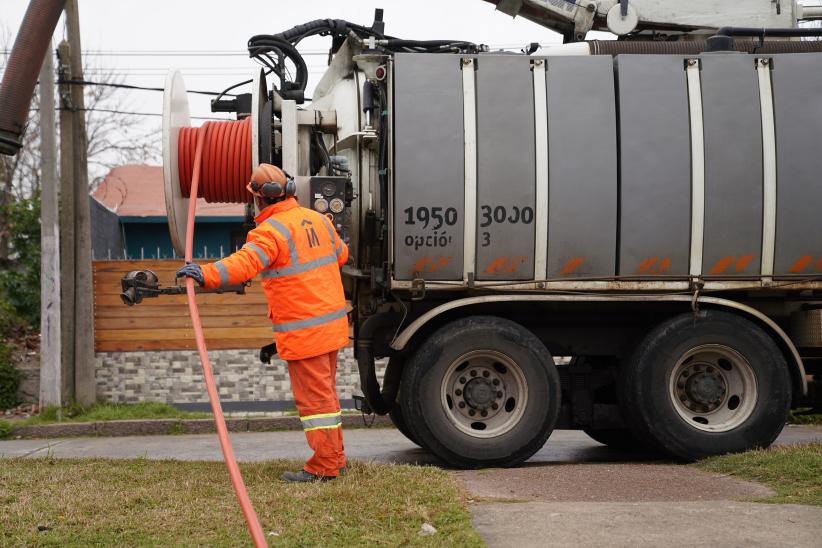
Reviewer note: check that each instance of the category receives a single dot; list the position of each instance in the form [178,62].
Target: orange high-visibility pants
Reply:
[313,383]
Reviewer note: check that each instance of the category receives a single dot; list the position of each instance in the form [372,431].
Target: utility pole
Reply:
[50,378]
[84,377]
[66,226]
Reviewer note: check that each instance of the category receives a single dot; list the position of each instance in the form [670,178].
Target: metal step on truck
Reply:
[622,237]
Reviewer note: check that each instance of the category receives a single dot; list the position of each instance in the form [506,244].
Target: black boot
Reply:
[303,477]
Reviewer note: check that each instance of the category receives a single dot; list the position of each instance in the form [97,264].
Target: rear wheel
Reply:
[622,439]
[706,386]
[481,391]
[399,421]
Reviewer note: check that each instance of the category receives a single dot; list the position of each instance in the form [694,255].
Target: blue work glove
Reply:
[192,271]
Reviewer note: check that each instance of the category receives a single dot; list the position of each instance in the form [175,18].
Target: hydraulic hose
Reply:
[251,519]
[379,400]
[333,26]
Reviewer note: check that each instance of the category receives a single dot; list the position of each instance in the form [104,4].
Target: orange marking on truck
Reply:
[818,267]
[571,265]
[646,264]
[801,264]
[420,265]
[743,262]
[441,263]
[496,265]
[722,265]
[664,265]
[515,264]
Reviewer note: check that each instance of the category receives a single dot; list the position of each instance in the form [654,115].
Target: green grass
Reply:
[109,412]
[794,472]
[800,416]
[56,502]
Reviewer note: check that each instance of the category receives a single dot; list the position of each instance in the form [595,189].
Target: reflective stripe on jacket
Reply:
[299,255]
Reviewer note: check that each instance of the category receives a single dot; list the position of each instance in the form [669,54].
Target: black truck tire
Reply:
[481,391]
[622,439]
[703,386]
[399,421]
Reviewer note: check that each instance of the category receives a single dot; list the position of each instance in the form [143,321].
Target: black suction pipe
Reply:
[379,400]
[24,64]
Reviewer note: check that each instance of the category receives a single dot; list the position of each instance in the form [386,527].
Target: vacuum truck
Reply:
[620,236]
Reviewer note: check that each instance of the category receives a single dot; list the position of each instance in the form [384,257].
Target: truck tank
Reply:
[634,167]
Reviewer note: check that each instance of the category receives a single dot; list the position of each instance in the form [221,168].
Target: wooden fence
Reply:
[229,320]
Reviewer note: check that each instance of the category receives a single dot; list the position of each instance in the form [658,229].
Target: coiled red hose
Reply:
[226,160]
[210,161]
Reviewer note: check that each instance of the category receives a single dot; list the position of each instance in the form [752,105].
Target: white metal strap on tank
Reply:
[469,102]
[763,69]
[697,165]
[541,140]
[290,137]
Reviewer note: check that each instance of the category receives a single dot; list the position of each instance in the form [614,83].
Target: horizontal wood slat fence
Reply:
[230,321]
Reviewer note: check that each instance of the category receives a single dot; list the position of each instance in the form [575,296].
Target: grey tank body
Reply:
[651,170]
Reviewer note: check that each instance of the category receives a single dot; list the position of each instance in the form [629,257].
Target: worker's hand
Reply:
[192,271]
[267,352]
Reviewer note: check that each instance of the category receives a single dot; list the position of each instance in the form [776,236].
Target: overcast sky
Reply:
[117,35]
[140,40]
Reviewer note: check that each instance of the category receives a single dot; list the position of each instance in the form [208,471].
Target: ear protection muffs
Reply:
[275,190]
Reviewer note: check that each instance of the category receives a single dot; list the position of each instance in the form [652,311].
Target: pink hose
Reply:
[253,523]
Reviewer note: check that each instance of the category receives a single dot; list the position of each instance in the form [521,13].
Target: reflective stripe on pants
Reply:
[313,383]
[323,420]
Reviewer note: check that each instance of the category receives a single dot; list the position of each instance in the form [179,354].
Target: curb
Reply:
[156,427]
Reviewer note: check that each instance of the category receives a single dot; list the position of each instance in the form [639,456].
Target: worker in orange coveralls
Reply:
[299,254]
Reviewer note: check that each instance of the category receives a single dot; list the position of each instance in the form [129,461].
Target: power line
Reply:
[214,53]
[127,86]
[231,68]
[125,112]
[233,75]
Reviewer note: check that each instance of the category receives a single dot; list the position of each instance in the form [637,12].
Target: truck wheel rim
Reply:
[713,388]
[484,393]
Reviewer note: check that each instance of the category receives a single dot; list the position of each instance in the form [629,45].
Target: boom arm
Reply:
[574,18]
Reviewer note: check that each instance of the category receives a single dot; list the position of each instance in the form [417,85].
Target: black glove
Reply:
[267,352]
[192,271]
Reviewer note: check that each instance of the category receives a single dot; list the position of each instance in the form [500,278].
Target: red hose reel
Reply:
[230,150]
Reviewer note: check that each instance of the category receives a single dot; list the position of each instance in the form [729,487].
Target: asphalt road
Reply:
[573,492]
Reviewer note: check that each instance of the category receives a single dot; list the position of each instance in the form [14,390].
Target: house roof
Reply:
[138,191]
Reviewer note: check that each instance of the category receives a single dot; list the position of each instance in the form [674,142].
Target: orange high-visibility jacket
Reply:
[299,255]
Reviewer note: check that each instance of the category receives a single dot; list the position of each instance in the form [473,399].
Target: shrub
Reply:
[20,279]
[11,324]
[5,429]
[9,378]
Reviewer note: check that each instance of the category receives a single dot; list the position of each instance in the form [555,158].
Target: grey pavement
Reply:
[717,524]
[378,445]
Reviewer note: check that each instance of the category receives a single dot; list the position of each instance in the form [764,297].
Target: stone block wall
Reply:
[27,362]
[175,376]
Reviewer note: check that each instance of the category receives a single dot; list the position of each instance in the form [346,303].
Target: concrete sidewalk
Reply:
[714,524]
